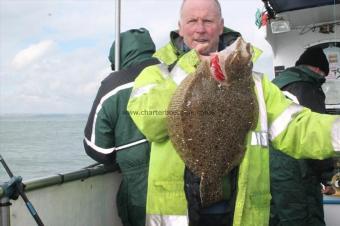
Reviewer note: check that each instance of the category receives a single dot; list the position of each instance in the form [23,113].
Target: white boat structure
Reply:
[299,24]
[86,197]
[296,25]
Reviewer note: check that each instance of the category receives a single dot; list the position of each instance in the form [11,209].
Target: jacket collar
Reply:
[299,73]
[311,75]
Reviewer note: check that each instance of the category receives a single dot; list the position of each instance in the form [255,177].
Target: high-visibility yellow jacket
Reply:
[291,128]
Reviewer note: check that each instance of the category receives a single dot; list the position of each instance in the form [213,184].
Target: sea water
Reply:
[35,146]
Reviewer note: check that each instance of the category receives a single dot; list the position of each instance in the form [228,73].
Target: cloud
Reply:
[54,55]
[31,54]
[90,88]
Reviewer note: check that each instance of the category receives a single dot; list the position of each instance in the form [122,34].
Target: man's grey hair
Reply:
[218,5]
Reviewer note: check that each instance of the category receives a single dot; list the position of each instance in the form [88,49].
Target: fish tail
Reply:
[211,190]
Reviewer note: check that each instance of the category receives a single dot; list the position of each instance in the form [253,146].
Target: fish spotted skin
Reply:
[214,117]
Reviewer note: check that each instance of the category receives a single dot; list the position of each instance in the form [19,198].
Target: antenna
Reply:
[117,33]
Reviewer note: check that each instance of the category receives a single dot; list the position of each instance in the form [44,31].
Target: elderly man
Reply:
[201,32]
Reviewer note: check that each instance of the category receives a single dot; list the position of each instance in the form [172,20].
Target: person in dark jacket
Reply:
[295,184]
[110,134]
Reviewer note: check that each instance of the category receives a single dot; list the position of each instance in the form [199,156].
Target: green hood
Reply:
[226,38]
[299,73]
[136,45]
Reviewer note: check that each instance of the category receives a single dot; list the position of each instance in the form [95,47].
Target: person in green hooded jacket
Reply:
[110,134]
[295,184]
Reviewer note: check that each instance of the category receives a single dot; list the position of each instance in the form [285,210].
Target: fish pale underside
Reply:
[211,118]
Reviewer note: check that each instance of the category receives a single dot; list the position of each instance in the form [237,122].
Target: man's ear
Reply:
[179,29]
[222,26]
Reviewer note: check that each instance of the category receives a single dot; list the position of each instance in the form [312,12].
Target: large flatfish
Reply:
[211,113]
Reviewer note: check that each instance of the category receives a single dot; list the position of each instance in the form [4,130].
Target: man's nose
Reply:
[200,28]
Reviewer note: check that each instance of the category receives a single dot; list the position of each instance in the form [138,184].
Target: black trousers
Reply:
[199,216]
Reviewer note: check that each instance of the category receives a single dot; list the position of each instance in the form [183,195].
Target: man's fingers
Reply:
[201,48]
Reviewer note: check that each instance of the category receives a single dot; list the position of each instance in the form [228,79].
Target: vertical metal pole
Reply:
[4,212]
[117,41]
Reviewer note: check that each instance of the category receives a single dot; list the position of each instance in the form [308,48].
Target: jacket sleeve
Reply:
[152,93]
[99,130]
[308,95]
[311,96]
[296,130]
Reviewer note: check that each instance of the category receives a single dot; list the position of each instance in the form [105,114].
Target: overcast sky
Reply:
[53,53]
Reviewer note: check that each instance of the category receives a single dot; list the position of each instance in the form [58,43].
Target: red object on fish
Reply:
[216,68]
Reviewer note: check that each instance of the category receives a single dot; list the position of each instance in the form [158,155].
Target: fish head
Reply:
[233,62]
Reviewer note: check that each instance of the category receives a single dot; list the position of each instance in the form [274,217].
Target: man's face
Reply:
[201,25]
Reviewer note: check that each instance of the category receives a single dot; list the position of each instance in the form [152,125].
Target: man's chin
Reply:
[206,52]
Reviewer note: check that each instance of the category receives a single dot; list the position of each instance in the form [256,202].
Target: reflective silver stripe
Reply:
[100,105]
[281,122]
[110,150]
[130,144]
[260,99]
[259,138]
[164,69]
[291,96]
[166,220]
[178,74]
[336,135]
[99,149]
[136,92]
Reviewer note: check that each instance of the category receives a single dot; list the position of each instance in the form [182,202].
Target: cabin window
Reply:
[332,84]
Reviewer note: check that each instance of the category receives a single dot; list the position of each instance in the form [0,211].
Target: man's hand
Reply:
[328,190]
[201,49]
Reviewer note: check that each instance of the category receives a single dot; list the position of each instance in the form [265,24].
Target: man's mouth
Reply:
[201,41]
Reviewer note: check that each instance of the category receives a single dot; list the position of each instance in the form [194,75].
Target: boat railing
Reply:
[84,178]
[60,178]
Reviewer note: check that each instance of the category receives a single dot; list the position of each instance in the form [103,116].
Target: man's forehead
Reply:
[211,6]
[200,12]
